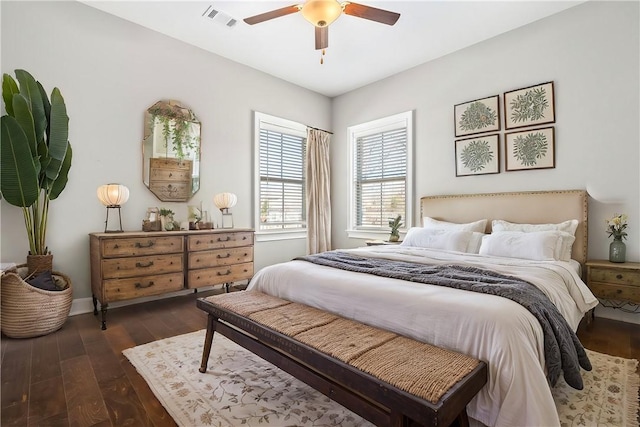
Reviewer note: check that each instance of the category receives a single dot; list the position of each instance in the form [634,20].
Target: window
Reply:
[380,175]
[280,178]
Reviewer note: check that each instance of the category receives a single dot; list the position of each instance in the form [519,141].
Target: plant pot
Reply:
[28,311]
[394,238]
[39,263]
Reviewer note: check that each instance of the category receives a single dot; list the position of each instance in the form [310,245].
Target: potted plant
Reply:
[35,156]
[395,224]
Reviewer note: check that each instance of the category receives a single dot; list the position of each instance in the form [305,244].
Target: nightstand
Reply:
[617,284]
[381,242]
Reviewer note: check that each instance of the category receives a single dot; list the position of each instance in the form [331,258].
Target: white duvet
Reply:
[490,328]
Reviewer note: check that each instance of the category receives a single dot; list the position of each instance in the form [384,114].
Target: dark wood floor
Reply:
[78,376]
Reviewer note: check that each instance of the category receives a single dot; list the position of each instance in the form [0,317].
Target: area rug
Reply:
[241,389]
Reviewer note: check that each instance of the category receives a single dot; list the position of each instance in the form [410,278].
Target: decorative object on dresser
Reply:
[224,202]
[171,151]
[529,106]
[35,158]
[616,227]
[113,196]
[131,265]
[478,116]
[616,285]
[152,222]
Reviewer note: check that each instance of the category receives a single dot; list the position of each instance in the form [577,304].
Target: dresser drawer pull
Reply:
[140,245]
[225,240]
[141,286]
[224,274]
[228,255]
[141,265]
[619,276]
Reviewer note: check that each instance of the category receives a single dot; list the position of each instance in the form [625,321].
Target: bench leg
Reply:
[398,419]
[208,340]
[462,420]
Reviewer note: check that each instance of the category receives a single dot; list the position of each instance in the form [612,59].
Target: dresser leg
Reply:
[95,305]
[103,310]
[226,287]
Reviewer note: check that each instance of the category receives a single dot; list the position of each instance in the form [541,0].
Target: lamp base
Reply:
[227,220]
[106,221]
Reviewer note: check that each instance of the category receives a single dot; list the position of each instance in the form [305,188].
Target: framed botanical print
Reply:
[530,149]
[529,106]
[478,116]
[477,156]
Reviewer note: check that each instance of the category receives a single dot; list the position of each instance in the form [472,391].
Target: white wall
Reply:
[110,71]
[590,51]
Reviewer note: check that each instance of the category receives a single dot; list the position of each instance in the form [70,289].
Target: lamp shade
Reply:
[113,194]
[225,200]
[321,12]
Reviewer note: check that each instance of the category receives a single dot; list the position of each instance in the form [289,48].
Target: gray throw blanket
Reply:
[563,351]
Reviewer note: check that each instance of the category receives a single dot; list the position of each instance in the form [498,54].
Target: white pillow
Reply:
[477,226]
[565,245]
[432,238]
[537,246]
[569,226]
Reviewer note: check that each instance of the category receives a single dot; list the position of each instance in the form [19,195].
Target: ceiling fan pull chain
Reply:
[322,57]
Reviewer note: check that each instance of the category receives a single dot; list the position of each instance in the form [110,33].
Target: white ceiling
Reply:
[360,51]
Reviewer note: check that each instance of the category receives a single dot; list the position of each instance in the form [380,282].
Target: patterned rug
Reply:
[240,388]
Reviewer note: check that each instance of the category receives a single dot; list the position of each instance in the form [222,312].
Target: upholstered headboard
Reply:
[535,207]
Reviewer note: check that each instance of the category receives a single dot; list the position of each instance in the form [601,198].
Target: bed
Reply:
[491,328]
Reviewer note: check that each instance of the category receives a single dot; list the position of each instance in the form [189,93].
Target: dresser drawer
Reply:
[616,292]
[218,275]
[615,276]
[141,266]
[124,289]
[219,241]
[220,257]
[112,248]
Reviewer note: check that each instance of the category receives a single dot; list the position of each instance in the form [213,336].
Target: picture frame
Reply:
[477,116]
[479,155]
[530,149]
[529,106]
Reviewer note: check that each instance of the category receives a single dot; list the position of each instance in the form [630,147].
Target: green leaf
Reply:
[18,174]
[45,104]
[9,88]
[58,140]
[23,115]
[29,89]
[63,176]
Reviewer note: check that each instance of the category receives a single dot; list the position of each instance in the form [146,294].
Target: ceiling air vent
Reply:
[218,17]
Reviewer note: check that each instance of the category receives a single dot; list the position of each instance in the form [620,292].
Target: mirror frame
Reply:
[171,151]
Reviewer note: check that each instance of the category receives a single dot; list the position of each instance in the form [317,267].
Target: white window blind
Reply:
[281,186]
[380,175]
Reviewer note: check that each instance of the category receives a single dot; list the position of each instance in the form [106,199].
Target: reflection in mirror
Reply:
[171,151]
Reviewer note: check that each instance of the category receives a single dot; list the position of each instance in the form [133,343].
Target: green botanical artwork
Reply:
[527,149]
[476,155]
[529,106]
[477,116]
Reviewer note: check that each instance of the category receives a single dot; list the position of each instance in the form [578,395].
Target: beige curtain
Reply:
[318,191]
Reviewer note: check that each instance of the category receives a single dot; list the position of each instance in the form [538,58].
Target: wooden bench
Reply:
[386,378]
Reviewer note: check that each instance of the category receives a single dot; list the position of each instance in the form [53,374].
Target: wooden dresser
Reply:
[131,265]
[614,281]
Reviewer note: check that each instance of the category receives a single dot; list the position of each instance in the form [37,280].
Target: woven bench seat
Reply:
[386,378]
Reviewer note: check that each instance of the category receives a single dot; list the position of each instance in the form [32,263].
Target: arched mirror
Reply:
[171,151]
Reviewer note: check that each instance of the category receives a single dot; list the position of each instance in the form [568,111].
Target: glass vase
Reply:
[617,250]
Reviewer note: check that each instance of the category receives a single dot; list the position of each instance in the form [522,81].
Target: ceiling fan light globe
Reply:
[321,13]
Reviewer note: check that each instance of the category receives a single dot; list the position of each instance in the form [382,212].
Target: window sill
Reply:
[370,235]
[265,236]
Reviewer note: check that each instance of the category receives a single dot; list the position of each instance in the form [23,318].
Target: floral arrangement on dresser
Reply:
[616,227]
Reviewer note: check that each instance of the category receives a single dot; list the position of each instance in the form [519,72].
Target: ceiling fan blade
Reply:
[371,13]
[322,37]
[272,14]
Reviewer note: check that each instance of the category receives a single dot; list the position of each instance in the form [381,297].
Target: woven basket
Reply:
[28,311]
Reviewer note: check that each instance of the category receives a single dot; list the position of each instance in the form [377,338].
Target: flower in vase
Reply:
[616,226]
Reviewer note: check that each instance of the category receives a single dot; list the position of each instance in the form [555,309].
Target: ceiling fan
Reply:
[321,13]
